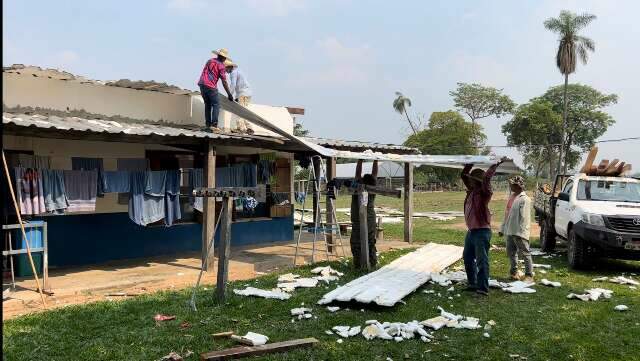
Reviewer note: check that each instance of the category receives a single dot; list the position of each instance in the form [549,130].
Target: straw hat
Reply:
[222,52]
[228,62]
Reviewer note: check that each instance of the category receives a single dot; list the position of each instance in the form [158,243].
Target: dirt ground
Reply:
[141,276]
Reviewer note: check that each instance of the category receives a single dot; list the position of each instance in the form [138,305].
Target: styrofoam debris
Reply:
[354,331]
[252,291]
[448,315]
[451,289]
[398,339]
[537,252]
[592,294]
[254,339]
[600,279]
[546,282]
[538,265]
[300,311]
[519,287]
[339,340]
[370,322]
[289,277]
[328,332]
[333,308]
[624,281]
[429,291]
[298,282]
[486,334]
[435,323]
[326,271]
[633,287]
[346,331]
[543,271]
[621,308]
[497,284]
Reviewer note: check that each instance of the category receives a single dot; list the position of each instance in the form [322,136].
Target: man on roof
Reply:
[241,91]
[212,72]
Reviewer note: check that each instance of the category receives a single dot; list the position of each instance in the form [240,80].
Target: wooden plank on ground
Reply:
[247,351]
[389,284]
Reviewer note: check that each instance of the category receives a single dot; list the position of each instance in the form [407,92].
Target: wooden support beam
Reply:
[224,248]
[331,173]
[408,202]
[364,229]
[209,206]
[248,351]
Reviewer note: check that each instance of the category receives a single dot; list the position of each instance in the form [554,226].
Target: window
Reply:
[613,191]
[568,187]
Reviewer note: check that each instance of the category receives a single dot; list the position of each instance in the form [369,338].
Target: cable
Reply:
[543,145]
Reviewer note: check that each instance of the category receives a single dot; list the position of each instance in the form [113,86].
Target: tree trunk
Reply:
[562,164]
[475,136]
[551,161]
[410,123]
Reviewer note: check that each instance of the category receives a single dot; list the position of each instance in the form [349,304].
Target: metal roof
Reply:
[152,85]
[72,123]
[353,145]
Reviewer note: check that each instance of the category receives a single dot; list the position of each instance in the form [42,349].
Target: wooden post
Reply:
[408,202]
[209,207]
[317,217]
[331,173]
[363,198]
[224,248]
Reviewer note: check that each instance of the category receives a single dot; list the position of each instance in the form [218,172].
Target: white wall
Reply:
[26,90]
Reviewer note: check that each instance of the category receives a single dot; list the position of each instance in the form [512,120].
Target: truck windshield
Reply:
[613,191]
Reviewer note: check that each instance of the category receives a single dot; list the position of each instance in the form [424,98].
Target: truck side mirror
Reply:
[563,196]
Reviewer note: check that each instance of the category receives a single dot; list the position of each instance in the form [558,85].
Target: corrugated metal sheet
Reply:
[109,126]
[357,145]
[152,85]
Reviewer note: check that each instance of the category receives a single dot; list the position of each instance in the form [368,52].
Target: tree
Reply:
[446,133]
[535,131]
[400,105]
[570,47]
[585,120]
[478,101]
[299,131]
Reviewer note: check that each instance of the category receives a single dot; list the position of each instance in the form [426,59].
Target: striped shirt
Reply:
[212,71]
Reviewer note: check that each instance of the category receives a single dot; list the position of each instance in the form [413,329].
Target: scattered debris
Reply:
[346,331]
[251,339]
[252,291]
[173,356]
[159,317]
[489,325]
[538,265]
[519,287]
[592,294]
[624,281]
[339,340]
[185,325]
[326,271]
[244,351]
[486,334]
[222,334]
[543,271]
[429,291]
[546,282]
[537,252]
[600,279]
[328,332]
[298,282]
[621,308]
[333,308]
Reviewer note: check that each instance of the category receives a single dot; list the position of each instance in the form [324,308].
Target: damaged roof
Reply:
[38,124]
[152,85]
[352,145]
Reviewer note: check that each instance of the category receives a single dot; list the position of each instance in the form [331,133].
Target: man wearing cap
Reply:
[241,91]
[212,72]
[517,220]
[478,219]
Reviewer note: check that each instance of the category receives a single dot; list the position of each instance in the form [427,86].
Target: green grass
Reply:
[540,326]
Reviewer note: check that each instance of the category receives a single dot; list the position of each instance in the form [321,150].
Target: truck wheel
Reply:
[578,253]
[547,237]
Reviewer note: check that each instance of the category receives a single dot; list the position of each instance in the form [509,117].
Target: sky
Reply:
[342,60]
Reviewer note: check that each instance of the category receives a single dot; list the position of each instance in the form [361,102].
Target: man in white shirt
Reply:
[516,228]
[241,91]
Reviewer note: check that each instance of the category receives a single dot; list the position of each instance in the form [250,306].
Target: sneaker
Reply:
[517,276]
[528,279]
[482,292]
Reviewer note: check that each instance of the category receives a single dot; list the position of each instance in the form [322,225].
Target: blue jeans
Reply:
[211,105]
[476,258]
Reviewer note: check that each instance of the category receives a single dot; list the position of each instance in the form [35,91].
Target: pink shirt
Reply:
[509,204]
[212,71]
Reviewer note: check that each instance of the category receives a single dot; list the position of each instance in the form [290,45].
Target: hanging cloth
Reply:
[172,197]
[116,181]
[54,192]
[29,191]
[82,163]
[81,188]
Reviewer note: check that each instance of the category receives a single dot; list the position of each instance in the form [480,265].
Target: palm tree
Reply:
[400,104]
[571,47]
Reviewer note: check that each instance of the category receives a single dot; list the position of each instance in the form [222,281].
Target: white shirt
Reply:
[238,84]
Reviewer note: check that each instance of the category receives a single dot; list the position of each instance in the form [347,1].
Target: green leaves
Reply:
[571,45]
[478,101]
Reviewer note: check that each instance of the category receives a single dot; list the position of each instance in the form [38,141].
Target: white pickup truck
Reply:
[597,216]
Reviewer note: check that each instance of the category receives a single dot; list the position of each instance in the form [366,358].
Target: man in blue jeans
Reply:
[478,219]
[213,71]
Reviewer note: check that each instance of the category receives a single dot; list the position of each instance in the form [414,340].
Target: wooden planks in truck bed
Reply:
[391,283]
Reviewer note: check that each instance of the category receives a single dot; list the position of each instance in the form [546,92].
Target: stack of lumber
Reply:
[391,283]
[605,168]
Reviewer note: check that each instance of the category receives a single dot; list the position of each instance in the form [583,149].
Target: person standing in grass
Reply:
[478,219]
[516,225]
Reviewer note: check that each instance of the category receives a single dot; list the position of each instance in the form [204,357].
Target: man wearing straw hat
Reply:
[212,72]
[478,219]
[516,225]
[241,91]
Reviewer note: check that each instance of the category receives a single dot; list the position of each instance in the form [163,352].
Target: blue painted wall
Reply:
[94,238]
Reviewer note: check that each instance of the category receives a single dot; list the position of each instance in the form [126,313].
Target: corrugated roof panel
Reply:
[358,145]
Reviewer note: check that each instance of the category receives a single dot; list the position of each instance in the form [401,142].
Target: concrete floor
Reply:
[140,276]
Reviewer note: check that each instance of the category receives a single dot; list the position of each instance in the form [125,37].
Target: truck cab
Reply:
[598,216]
